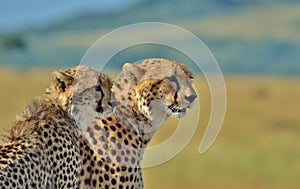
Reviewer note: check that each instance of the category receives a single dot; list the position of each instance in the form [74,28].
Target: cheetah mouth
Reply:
[104,113]
[175,111]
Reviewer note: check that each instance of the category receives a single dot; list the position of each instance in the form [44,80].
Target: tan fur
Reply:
[42,148]
[144,95]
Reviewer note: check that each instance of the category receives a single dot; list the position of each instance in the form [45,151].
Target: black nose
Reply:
[190,98]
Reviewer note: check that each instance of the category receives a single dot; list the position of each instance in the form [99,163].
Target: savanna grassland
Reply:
[258,146]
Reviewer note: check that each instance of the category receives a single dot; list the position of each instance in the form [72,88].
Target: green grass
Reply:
[277,21]
[258,146]
[247,38]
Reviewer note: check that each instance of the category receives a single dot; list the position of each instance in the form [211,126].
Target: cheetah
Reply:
[42,148]
[143,96]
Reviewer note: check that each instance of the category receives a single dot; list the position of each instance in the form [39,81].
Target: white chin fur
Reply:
[84,122]
[176,114]
[85,116]
[104,114]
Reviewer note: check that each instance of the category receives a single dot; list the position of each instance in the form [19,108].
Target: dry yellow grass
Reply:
[258,146]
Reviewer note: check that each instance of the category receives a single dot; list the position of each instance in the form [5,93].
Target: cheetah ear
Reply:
[133,68]
[61,81]
[126,66]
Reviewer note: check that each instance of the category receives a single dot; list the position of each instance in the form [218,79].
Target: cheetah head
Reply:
[156,84]
[82,92]
[154,98]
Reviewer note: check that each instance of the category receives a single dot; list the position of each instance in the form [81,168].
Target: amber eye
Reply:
[70,100]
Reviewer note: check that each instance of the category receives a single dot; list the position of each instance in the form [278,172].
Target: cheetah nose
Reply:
[190,98]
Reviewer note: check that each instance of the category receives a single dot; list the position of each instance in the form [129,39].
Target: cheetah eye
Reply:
[70,100]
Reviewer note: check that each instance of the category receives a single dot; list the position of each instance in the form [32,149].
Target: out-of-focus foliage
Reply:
[13,42]
[254,36]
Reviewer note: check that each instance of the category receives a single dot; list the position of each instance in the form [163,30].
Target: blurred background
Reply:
[256,43]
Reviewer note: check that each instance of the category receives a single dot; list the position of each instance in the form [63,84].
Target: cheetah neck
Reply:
[120,137]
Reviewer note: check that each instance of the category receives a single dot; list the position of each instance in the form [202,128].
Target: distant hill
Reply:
[254,36]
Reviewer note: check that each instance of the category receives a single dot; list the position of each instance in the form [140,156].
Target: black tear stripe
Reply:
[174,79]
[175,97]
[99,103]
